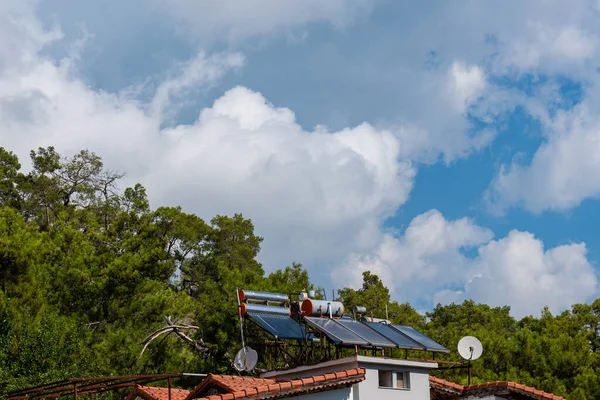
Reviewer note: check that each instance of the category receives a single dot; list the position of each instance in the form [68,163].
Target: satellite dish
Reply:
[470,348]
[251,359]
[245,359]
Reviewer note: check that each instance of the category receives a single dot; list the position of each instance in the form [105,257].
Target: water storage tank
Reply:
[251,295]
[359,310]
[317,308]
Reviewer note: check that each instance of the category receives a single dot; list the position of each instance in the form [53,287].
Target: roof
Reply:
[158,393]
[87,386]
[446,389]
[229,383]
[283,389]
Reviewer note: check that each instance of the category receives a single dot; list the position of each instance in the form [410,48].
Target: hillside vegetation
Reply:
[88,271]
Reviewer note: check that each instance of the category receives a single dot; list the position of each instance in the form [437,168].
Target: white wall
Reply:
[337,394]
[369,388]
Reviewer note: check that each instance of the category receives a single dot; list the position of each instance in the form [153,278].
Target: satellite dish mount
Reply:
[470,348]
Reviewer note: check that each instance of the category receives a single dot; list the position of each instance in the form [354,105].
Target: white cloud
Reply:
[428,264]
[311,189]
[466,83]
[318,196]
[428,255]
[516,270]
[550,45]
[21,36]
[563,171]
[201,71]
[235,20]
[314,194]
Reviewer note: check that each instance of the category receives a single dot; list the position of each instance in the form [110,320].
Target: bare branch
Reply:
[174,328]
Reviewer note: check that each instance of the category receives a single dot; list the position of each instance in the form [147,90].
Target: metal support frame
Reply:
[77,387]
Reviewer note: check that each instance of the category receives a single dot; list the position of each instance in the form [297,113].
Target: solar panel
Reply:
[400,339]
[280,326]
[367,333]
[336,332]
[428,343]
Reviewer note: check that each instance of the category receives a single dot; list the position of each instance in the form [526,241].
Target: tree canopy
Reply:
[87,271]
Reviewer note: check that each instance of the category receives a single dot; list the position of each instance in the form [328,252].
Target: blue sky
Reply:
[459,154]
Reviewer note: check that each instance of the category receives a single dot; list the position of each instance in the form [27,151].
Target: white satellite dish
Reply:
[245,359]
[470,348]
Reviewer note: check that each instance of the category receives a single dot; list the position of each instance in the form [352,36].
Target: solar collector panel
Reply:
[336,332]
[401,340]
[428,343]
[280,326]
[367,333]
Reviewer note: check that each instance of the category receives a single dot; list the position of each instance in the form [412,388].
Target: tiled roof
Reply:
[491,388]
[273,390]
[446,386]
[229,383]
[158,393]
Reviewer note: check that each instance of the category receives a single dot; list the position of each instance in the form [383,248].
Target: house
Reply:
[330,386]
[318,330]
[444,390]
[384,378]
[351,378]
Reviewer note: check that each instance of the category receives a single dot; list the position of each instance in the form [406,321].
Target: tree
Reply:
[292,279]
[88,271]
[373,295]
[9,179]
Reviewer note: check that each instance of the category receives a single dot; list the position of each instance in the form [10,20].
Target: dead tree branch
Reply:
[175,328]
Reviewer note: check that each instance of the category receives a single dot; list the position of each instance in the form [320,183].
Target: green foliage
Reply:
[87,272]
[292,279]
[376,298]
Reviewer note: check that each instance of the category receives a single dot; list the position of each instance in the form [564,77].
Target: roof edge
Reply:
[492,387]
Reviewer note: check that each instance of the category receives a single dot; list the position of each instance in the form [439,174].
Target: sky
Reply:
[452,148]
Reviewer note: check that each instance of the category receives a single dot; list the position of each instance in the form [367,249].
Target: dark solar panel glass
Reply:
[417,336]
[280,326]
[401,340]
[336,332]
[367,333]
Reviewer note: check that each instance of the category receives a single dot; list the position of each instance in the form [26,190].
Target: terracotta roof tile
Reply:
[228,383]
[161,393]
[255,388]
[268,388]
[490,388]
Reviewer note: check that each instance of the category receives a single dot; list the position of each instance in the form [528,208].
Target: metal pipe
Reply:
[240,294]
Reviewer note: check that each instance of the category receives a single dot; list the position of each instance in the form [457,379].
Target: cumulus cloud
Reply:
[516,270]
[429,254]
[308,191]
[319,195]
[433,254]
[562,172]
